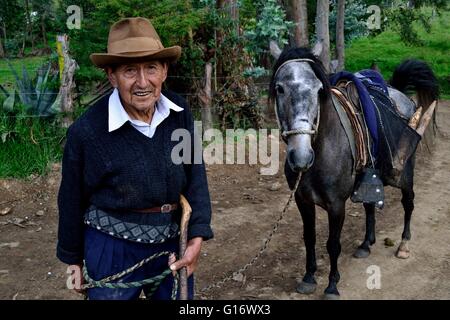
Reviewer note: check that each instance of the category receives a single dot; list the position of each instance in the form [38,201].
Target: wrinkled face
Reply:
[139,84]
[297,98]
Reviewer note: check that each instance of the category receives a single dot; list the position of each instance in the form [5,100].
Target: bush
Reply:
[237,105]
[12,46]
[271,24]
[28,144]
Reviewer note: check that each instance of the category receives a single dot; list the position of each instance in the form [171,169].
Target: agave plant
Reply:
[36,96]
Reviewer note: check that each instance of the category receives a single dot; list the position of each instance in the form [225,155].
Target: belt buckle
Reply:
[166,208]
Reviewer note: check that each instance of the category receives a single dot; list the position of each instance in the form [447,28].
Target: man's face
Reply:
[139,84]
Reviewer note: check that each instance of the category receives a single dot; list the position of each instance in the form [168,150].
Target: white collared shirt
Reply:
[117,116]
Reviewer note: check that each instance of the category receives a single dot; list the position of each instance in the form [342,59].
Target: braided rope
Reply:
[286,134]
[153,281]
[292,60]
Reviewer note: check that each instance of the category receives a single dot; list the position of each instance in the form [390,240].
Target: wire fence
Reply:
[261,104]
[213,109]
[37,68]
[182,77]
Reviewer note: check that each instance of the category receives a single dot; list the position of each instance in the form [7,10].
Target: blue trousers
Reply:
[106,255]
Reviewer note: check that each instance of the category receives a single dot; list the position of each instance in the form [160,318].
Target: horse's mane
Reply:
[317,67]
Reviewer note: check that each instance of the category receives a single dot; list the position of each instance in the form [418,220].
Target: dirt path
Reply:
[244,212]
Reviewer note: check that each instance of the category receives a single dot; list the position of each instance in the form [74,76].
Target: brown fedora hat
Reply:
[132,39]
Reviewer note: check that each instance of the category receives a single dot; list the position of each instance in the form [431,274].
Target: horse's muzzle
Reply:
[300,160]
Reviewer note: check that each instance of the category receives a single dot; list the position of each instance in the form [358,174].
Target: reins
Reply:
[241,271]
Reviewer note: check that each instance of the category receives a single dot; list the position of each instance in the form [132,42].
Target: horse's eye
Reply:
[279,89]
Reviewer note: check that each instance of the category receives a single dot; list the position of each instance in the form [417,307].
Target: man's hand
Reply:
[76,277]
[190,258]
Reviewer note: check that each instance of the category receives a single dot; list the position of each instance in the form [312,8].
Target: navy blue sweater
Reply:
[124,170]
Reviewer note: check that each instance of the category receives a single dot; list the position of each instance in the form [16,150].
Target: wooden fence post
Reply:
[67,70]
[205,98]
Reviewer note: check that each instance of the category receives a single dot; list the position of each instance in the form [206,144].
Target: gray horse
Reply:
[317,147]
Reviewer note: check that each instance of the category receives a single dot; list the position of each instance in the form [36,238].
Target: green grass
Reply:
[388,51]
[31,145]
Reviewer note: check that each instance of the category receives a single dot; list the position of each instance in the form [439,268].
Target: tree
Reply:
[234,13]
[44,11]
[322,31]
[400,18]
[29,30]
[270,24]
[12,20]
[2,51]
[340,40]
[300,16]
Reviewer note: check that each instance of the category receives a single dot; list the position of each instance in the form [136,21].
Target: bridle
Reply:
[287,133]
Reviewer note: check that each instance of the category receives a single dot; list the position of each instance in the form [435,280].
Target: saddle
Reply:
[346,95]
[383,142]
[368,187]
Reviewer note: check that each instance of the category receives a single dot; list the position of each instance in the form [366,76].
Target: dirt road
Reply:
[244,211]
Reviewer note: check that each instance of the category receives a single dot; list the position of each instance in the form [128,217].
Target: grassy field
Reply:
[29,146]
[388,51]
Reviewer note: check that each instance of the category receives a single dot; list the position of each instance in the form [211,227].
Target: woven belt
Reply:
[165,208]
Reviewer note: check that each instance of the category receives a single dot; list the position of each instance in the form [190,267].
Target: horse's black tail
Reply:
[416,75]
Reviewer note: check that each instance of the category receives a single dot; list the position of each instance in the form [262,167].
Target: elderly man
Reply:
[119,193]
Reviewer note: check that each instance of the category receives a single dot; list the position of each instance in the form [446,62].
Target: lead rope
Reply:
[153,281]
[240,271]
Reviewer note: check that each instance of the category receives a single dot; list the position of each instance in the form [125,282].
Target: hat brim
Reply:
[103,60]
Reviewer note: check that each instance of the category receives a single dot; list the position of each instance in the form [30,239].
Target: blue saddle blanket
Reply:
[363,80]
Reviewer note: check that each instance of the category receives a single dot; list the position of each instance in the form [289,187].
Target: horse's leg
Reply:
[308,212]
[336,215]
[408,206]
[363,250]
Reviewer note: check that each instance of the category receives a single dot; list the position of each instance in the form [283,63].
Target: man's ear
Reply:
[165,65]
[111,77]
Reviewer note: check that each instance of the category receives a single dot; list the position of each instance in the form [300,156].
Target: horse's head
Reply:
[297,84]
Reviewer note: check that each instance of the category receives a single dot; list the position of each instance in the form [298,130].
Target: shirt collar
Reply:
[117,115]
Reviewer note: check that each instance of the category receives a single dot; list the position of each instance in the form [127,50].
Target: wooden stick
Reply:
[414,121]
[185,216]
[404,150]
[426,118]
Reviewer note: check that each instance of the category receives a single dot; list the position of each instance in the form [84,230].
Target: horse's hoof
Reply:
[306,288]
[403,251]
[331,296]
[361,253]
[331,293]
[402,254]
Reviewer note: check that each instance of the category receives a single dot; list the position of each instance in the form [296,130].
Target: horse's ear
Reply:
[275,50]
[317,50]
